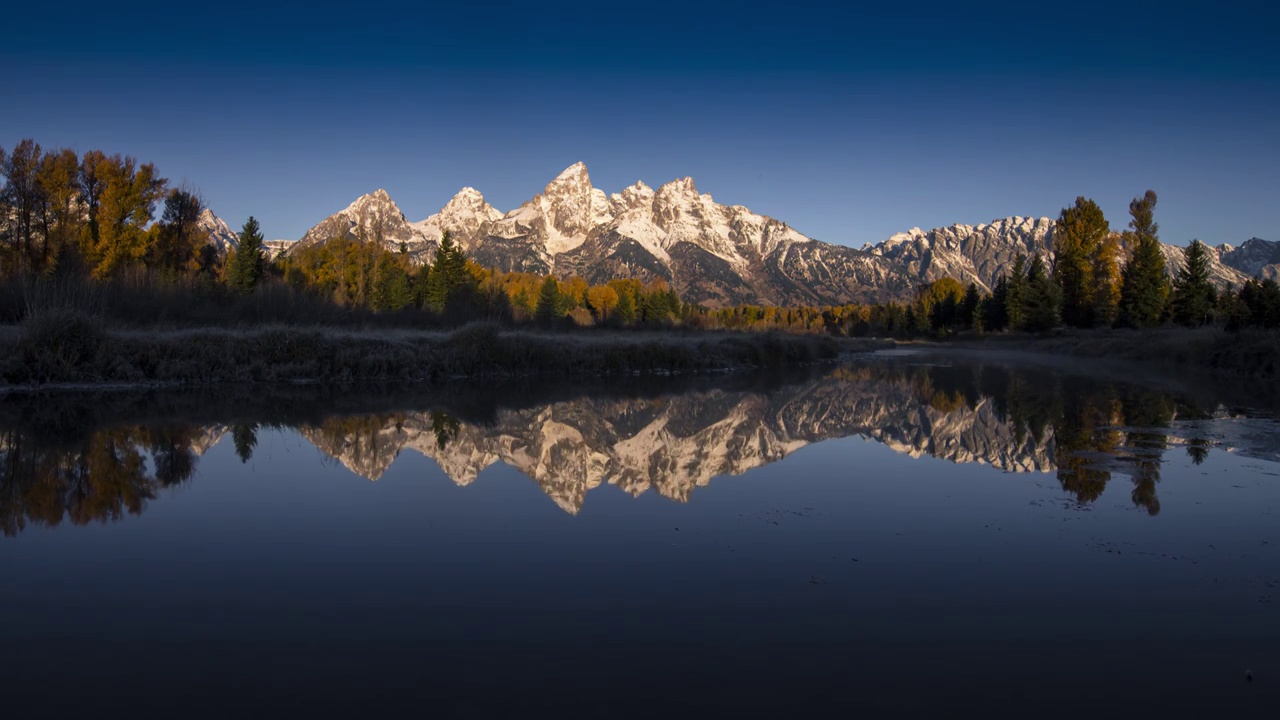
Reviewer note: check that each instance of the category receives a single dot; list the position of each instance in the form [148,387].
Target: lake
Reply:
[902,533]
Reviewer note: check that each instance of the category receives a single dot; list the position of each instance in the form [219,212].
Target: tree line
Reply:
[1098,278]
[93,215]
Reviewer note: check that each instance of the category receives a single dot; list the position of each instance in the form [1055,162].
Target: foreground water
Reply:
[904,533]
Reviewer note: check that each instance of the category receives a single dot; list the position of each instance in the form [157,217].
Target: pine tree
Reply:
[1144,286]
[1193,297]
[548,309]
[625,312]
[971,308]
[994,307]
[246,266]
[448,273]
[1078,239]
[1042,305]
[1015,297]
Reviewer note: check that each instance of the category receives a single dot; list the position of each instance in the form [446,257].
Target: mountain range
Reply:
[711,253]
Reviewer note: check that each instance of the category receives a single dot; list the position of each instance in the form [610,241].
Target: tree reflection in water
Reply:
[1014,419]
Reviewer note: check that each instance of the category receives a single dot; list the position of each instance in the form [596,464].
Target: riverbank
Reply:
[1249,353]
[71,350]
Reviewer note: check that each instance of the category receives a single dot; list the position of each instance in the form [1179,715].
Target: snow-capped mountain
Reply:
[220,235]
[372,218]
[968,253]
[1254,257]
[462,217]
[713,253]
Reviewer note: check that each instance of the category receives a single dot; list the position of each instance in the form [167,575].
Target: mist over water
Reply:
[899,533]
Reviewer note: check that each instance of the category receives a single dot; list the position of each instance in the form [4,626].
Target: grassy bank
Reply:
[70,348]
[1253,352]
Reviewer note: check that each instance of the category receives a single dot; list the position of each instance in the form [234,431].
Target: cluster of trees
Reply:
[353,272]
[95,213]
[1099,278]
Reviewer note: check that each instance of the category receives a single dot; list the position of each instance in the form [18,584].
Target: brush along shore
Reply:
[68,348]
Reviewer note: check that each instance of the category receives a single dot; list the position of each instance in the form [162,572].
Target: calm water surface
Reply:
[910,534]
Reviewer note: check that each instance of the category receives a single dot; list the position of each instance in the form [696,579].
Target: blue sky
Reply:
[848,124]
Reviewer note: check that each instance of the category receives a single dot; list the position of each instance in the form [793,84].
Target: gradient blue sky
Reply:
[849,124]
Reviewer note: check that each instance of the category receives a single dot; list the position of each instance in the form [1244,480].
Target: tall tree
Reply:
[246,266]
[24,200]
[126,207]
[1106,280]
[448,272]
[176,248]
[1078,238]
[625,311]
[1144,285]
[971,308]
[1015,296]
[59,179]
[1042,305]
[91,184]
[549,302]
[1193,296]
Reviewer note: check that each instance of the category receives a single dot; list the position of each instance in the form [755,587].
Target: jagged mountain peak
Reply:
[684,186]
[466,213]
[377,198]
[374,217]
[468,200]
[221,237]
[577,170]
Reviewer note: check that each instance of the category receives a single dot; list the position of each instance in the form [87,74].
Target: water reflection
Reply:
[1014,419]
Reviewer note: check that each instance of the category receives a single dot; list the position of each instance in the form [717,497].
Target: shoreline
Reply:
[66,354]
[1250,354]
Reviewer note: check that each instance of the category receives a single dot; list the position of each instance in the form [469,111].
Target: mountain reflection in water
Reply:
[1014,419]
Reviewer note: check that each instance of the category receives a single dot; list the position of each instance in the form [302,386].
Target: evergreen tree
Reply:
[1193,297]
[246,266]
[1077,239]
[1144,286]
[1015,297]
[1042,305]
[448,273]
[625,311]
[549,303]
[971,308]
[994,315]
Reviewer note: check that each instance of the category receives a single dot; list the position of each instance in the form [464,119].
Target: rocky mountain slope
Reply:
[1254,257]
[221,237]
[713,253]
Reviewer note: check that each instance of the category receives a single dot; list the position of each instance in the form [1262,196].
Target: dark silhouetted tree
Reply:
[1144,285]
[1078,240]
[246,265]
[1193,297]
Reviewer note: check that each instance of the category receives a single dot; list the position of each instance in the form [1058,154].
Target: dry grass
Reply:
[62,347]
